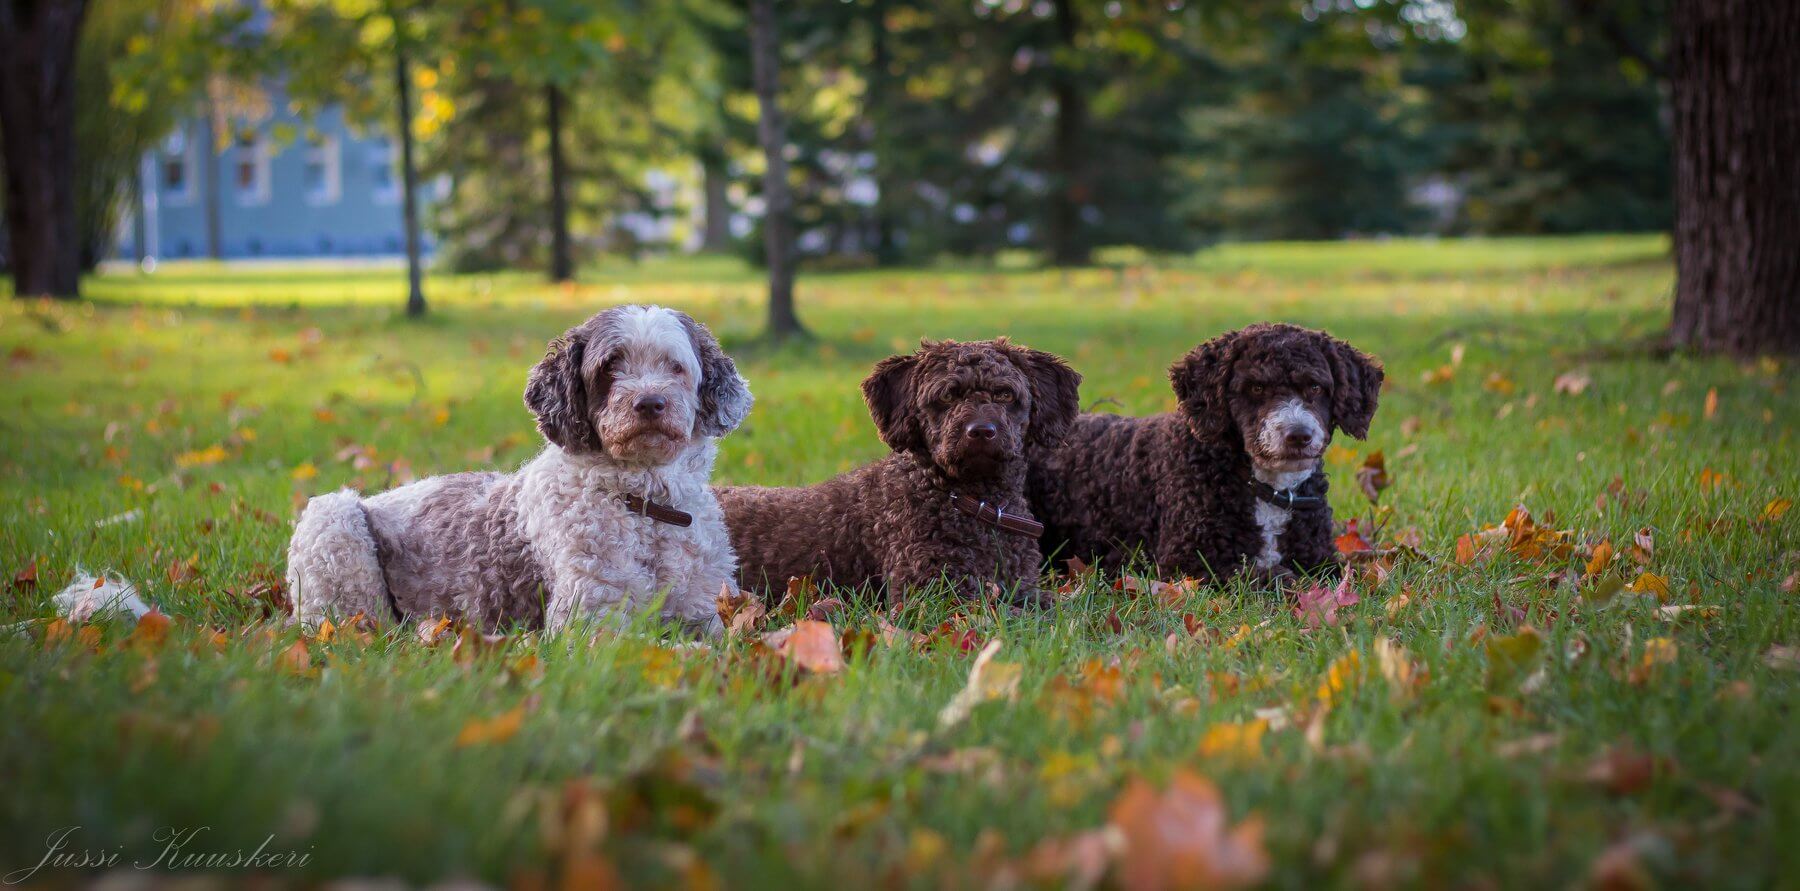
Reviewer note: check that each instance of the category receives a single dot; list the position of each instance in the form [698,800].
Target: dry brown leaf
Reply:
[1372,476]
[1181,838]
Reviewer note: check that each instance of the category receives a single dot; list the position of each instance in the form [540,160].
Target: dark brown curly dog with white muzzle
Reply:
[1230,481]
[948,503]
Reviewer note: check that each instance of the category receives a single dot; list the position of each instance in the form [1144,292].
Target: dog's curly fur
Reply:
[960,418]
[631,402]
[1259,402]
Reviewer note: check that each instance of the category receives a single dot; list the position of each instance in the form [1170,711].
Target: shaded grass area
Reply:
[168,430]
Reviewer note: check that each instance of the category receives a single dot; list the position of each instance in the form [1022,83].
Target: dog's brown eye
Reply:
[1314,390]
[1004,396]
[1257,389]
[676,369]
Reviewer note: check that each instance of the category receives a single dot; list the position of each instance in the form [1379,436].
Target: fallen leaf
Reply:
[1652,584]
[1600,560]
[1512,657]
[988,681]
[295,660]
[1352,541]
[1711,410]
[1181,838]
[740,612]
[811,645]
[1241,740]
[151,632]
[1536,744]
[1783,657]
[497,729]
[1318,604]
[26,579]
[431,631]
[1572,383]
[1403,676]
[1372,476]
[1624,770]
[1777,509]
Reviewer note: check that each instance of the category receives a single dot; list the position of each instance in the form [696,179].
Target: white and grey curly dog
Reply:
[612,515]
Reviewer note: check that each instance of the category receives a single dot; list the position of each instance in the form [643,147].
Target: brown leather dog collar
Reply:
[998,517]
[661,513]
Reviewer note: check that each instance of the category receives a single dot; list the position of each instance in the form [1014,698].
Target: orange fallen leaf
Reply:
[151,631]
[497,729]
[1352,540]
[1373,477]
[295,660]
[1602,558]
[811,645]
[1712,404]
[1777,509]
[1181,838]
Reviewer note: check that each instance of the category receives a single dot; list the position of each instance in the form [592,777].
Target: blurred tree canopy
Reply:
[922,128]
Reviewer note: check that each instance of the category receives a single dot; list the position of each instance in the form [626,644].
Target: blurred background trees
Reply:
[921,129]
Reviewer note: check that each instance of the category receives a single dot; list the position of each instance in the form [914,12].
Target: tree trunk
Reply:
[876,117]
[37,122]
[562,265]
[1735,90]
[778,200]
[1068,189]
[209,178]
[715,232]
[409,176]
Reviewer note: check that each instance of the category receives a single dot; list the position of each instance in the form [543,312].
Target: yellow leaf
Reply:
[1777,508]
[497,729]
[305,471]
[212,454]
[1712,404]
[1240,739]
[1651,583]
[1340,677]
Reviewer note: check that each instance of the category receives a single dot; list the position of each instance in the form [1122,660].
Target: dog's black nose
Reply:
[1299,439]
[651,406]
[981,431]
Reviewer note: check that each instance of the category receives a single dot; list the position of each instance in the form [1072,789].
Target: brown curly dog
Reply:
[1229,482]
[948,503]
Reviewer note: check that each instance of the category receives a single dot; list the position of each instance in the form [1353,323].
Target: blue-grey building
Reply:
[283,187]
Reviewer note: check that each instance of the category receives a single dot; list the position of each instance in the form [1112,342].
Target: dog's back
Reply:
[1096,493]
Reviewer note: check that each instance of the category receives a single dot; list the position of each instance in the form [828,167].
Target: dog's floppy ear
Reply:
[1202,379]
[1355,386]
[889,391]
[555,394]
[724,395]
[1055,393]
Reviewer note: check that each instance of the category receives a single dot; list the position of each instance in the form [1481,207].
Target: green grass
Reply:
[848,777]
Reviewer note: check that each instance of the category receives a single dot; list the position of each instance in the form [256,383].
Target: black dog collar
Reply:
[1286,499]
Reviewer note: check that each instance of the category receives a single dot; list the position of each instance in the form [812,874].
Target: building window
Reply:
[250,169]
[175,169]
[322,174]
[384,185]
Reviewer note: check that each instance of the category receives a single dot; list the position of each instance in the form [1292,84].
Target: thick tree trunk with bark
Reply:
[1068,189]
[409,181]
[1734,70]
[778,199]
[37,121]
[562,263]
[715,231]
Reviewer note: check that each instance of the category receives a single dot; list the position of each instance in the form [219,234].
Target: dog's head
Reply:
[637,384]
[972,409]
[1279,390]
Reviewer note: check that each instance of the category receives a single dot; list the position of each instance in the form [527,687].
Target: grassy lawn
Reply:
[1502,716]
